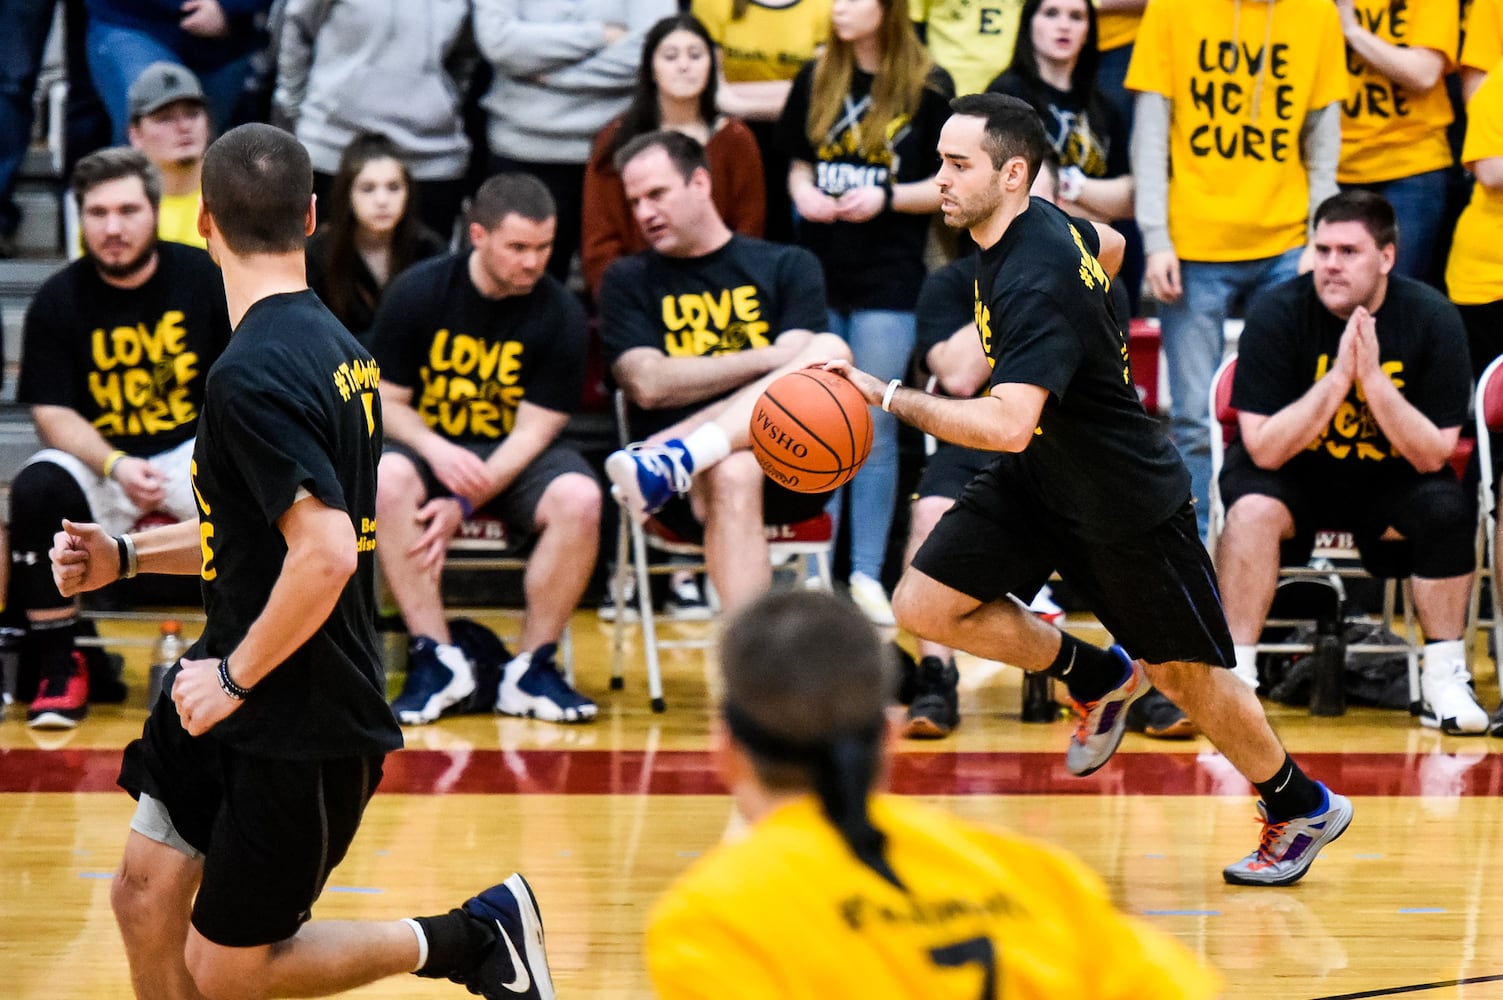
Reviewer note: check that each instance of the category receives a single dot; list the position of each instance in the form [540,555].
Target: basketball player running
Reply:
[258,760]
[1087,484]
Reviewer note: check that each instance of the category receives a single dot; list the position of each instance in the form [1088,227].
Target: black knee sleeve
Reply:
[41,496]
[1441,522]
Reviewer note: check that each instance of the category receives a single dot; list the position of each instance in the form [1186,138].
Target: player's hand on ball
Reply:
[84,557]
[870,387]
[201,702]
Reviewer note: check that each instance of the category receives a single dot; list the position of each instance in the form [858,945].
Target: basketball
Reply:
[810,431]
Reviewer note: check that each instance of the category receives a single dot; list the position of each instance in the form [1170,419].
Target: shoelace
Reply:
[664,463]
[1082,710]
[1270,836]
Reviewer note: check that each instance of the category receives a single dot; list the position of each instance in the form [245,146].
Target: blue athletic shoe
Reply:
[645,477]
[1100,724]
[517,966]
[1287,849]
[532,686]
[438,677]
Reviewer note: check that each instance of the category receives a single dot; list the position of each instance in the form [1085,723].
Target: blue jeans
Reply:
[1194,342]
[882,341]
[1419,205]
[117,55]
[23,35]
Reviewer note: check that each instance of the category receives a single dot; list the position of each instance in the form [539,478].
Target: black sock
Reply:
[456,943]
[1088,671]
[1290,792]
[50,642]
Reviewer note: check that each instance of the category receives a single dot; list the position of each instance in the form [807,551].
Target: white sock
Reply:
[1441,654]
[417,929]
[706,445]
[1246,668]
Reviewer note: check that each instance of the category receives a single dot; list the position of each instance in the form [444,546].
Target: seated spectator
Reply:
[676,89]
[482,361]
[215,40]
[371,236]
[118,347]
[842,890]
[169,123]
[1474,271]
[1393,123]
[692,384]
[372,67]
[1351,389]
[560,74]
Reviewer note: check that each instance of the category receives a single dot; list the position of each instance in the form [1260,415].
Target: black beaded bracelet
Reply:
[227,683]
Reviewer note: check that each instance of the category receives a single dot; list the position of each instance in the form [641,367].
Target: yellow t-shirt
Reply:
[789,912]
[972,39]
[1474,272]
[1484,35]
[1116,30]
[1386,131]
[177,220]
[1238,189]
[770,41]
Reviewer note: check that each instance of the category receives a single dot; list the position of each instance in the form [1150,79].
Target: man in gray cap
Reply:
[169,122]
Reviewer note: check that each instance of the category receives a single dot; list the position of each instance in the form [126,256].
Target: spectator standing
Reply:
[1483,47]
[373,233]
[561,71]
[860,127]
[761,47]
[170,124]
[1394,120]
[1117,26]
[1236,138]
[676,88]
[974,42]
[1474,273]
[27,24]
[349,67]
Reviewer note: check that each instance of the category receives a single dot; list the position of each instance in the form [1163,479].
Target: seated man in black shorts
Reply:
[482,359]
[694,329]
[1352,384]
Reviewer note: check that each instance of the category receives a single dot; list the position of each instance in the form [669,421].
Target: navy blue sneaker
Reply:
[645,477]
[516,968]
[438,677]
[532,686]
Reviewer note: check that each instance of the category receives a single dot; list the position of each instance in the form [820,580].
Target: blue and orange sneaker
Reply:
[1287,849]
[644,477]
[1100,724]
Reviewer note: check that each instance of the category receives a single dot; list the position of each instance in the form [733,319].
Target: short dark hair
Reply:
[257,180]
[112,164]
[511,194]
[684,151]
[1013,128]
[1367,207]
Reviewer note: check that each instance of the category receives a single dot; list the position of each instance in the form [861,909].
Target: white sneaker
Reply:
[871,599]
[1044,606]
[686,602]
[1448,702]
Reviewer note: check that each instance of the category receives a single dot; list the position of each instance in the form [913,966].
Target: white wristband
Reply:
[892,387]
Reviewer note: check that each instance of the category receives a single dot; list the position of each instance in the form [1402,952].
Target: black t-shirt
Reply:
[877,264]
[1097,461]
[365,291]
[470,360]
[946,303]
[132,362]
[293,403]
[1084,129]
[737,298]
[1291,339]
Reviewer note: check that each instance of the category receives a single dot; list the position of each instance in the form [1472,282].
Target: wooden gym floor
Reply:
[602,817]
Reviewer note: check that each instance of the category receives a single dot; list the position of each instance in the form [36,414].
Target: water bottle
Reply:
[164,657]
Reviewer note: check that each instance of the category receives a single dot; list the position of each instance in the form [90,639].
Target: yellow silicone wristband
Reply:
[112,461]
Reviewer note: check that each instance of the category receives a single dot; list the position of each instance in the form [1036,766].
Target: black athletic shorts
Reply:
[517,505]
[270,830]
[950,469]
[1155,591]
[1432,511]
[779,506]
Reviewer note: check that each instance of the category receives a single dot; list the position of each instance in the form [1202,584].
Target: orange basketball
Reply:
[811,431]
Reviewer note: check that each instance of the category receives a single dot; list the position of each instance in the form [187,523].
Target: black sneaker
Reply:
[935,711]
[1156,717]
[1495,728]
[517,965]
[907,675]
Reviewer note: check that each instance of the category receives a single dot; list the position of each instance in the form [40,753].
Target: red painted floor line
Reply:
[683,772]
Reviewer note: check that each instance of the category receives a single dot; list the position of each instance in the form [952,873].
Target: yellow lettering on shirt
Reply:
[1353,432]
[725,321]
[205,527]
[470,385]
[143,377]
[984,327]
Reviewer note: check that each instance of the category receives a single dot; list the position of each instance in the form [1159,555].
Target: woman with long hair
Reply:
[676,89]
[1054,69]
[371,236]
[861,128]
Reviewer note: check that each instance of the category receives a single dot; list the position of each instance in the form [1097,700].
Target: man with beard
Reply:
[116,350]
[170,124]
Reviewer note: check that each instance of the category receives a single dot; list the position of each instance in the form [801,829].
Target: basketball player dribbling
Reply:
[1087,485]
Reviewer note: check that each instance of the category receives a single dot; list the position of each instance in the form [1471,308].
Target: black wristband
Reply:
[887,197]
[227,683]
[124,555]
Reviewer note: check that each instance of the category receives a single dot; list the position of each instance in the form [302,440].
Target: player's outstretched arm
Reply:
[85,557]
